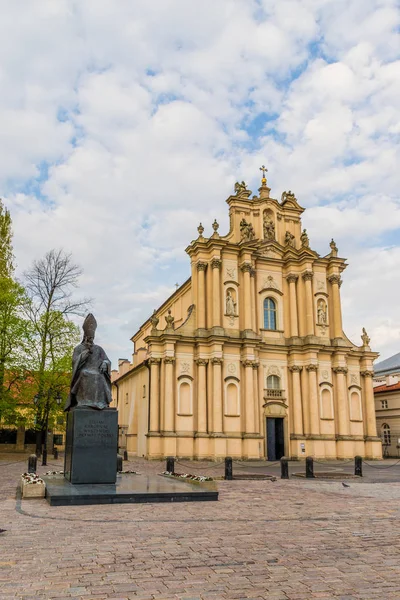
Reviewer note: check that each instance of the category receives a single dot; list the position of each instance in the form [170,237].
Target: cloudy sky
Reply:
[123,124]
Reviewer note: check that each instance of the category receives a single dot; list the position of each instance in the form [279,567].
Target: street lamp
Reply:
[44,456]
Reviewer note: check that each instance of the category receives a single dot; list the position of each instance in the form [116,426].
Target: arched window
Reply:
[273,382]
[386,434]
[269,314]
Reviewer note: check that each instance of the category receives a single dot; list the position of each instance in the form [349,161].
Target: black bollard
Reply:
[170,464]
[32,463]
[358,466]
[44,457]
[125,454]
[284,468]
[310,467]
[55,453]
[228,469]
[119,463]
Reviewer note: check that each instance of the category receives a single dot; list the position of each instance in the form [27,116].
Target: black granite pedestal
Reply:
[91,446]
[128,489]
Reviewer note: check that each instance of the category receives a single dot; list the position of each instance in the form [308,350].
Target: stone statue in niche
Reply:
[305,242]
[269,227]
[246,231]
[289,239]
[230,305]
[365,338]
[321,313]
[91,381]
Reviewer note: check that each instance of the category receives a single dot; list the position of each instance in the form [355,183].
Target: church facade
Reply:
[248,357]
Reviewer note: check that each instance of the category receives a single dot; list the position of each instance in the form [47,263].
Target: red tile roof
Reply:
[387,388]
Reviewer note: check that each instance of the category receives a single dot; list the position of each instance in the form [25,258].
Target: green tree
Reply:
[13,326]
[50,285]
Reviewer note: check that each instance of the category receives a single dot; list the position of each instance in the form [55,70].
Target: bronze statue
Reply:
[91,381]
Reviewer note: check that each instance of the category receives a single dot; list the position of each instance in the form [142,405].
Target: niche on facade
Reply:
[322,315]
[355,404]
[185,397]
[326,402]
[231,304]
[269,225]
[232,396]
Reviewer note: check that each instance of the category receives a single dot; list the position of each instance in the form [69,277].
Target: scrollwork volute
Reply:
[307,275]
[311,367]
[246,268]
[292,278]
[201,266]
[217,361]
[335,279]
[295,368]
[340,370]
[169,360]
[201,362]
[367,373]
[216,263]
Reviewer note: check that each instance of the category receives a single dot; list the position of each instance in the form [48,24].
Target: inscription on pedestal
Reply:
[91,448]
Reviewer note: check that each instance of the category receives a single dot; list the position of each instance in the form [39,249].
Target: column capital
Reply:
[217,361]
[154,361]
[169,360]
[292,277]
[335,279]
[246,268]
[307,275]
[216,263]
[255,364]
[340,370]
[311,367]
[252,272]
[201,362]
[297,368]
[367,373]
[247,363]
[201,266]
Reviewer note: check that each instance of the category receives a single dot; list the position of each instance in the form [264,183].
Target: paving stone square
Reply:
[289,540]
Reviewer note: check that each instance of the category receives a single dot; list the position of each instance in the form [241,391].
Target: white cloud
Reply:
[122,125]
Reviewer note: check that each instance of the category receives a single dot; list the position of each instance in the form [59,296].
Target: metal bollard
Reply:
[125,454]
[32,463]
[170,464]
[119,463]
[284,468]
[310,467]
[228,468]
[55,453]
[358,466]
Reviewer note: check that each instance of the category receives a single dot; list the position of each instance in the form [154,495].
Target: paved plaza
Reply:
[292,540]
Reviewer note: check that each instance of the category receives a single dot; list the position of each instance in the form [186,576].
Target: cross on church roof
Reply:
[264,170]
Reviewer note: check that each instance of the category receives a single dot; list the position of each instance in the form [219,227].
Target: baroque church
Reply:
[248,357]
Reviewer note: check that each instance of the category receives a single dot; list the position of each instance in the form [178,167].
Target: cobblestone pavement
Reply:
[292,540]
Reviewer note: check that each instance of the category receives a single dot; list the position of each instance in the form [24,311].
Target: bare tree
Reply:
[50,284]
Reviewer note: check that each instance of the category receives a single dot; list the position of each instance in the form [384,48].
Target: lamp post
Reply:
[44,456]
[38,433]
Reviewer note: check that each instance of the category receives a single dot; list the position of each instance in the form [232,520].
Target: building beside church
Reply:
[387,404]
[248,357]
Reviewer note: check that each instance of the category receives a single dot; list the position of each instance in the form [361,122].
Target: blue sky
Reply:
[122,125]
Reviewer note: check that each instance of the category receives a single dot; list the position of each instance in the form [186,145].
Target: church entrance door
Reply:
[275,438]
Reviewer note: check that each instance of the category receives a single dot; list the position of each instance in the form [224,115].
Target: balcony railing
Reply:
[270,394]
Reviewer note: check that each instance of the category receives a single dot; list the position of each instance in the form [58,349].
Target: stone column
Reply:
[249,396]
[154,394]
[313,398]
[308,277]
[342,401]
[246,309]
[201,395]
[169,404]
[217,394]
[294,328]
[216,290]
[253,299]
[297,400]
[201,295]
[370,416]
[336,282]
[255,366]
